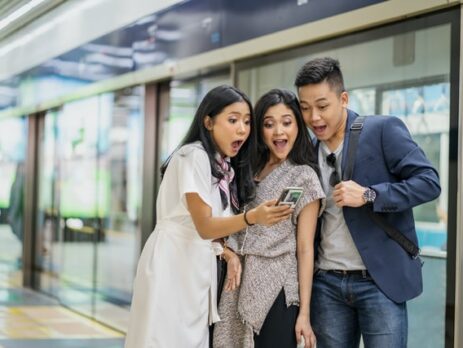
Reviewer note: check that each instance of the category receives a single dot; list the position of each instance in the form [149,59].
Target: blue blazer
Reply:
[391,163]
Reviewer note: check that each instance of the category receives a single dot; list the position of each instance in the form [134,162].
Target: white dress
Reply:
[175,287]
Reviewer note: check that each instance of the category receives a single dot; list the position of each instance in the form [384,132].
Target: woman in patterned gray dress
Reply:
[271,307]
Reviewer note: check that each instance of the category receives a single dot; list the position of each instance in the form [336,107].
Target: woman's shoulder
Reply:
[301,170]
[196,146]
[194,151]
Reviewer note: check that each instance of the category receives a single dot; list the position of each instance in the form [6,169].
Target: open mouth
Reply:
[279,144]
[237,144]
[319,129]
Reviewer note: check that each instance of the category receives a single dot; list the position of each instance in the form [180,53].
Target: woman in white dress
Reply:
[204,183]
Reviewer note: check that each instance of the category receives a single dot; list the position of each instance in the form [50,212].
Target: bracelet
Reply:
[222,256]
[245,219]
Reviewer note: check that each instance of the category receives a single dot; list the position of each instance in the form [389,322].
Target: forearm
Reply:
[218,227]
[416,181]
[306,226]
[305,274]
[210,227]
[408,193]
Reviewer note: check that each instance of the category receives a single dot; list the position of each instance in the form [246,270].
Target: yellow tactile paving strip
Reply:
[10,280]
[40,322]
[19,321]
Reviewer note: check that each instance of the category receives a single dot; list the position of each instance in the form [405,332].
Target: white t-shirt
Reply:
[188,171]
[337,249]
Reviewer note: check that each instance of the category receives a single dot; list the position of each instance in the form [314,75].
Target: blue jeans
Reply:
[344,307]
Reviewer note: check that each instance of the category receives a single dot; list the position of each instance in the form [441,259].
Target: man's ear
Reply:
[344,99]
[208,122]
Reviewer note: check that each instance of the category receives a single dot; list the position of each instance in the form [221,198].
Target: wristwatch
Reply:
[369,195]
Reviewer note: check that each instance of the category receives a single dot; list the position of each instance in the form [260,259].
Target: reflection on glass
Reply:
[13,139]
[185,97]
[378,86]
[362,100]
[76,194]
[39,88]
[426,112]
[120,159]
[89,198]
[424,99]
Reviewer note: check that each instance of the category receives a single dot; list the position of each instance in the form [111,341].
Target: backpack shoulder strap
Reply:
[355,130]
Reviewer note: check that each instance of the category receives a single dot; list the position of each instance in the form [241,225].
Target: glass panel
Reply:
[79,192]
[425,109]
[69,212]
[13,142]
[406,75]
[185,97]
[90,165]
[120,165]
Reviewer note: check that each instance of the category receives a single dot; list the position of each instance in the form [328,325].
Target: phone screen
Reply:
[282,197]
[290,196]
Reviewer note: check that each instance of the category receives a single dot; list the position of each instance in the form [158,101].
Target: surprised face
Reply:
[230,128]
[279,131]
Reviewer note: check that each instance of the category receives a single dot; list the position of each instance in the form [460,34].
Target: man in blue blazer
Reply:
[363,277]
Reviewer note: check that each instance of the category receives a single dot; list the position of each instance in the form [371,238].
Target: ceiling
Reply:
[7,7]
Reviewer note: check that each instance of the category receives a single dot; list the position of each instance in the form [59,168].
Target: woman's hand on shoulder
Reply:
[233,270]
[268,213]
[304,329]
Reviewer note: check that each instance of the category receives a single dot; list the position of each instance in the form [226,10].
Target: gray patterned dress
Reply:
[268,258]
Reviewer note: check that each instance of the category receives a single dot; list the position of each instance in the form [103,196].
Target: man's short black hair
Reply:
[319,70]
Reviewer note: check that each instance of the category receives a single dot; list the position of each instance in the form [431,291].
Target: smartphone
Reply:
[290,196]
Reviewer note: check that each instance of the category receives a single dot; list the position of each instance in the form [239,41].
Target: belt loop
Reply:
[364,273]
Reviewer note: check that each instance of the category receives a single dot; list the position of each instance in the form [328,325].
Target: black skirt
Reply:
[279,326]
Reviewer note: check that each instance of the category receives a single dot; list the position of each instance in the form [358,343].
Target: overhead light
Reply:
[78,70]
[149,58]
[107,49]
[19,13]
[168,35]
[125,63]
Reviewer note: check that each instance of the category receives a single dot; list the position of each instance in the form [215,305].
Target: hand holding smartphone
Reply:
[290,196]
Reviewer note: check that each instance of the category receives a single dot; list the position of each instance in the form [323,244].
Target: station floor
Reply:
[31,320]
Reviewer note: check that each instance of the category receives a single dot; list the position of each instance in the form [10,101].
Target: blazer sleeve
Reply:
[415,180]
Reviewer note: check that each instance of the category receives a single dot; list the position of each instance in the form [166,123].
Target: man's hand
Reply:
[349,194]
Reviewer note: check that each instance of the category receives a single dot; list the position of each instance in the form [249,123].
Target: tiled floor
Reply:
[31,320]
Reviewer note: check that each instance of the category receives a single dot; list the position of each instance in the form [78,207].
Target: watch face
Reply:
[369,195]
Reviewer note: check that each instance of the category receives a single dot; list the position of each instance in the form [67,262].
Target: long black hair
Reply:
[213,104]
[303,151]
